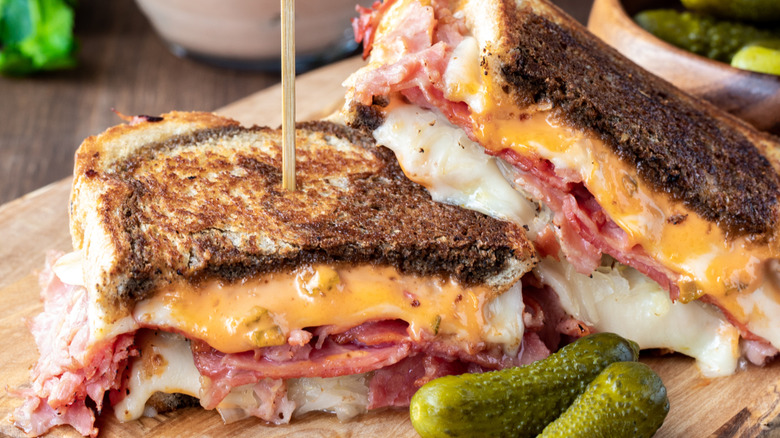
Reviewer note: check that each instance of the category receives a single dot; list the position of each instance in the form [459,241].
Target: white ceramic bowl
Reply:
[247,33]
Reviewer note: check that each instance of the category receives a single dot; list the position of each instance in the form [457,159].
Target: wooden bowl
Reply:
[754,97]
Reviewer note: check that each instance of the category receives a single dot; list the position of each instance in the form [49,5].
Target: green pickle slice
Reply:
[761,57]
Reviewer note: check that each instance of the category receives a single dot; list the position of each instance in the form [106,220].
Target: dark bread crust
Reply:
[209,204]
[679,145]
[163,402]
[365,118]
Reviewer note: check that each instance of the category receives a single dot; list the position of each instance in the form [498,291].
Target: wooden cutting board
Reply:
[745,405]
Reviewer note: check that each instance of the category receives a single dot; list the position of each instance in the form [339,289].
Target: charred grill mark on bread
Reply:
[706,163]
[209,204]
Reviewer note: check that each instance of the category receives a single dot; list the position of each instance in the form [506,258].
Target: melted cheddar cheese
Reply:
[260,312]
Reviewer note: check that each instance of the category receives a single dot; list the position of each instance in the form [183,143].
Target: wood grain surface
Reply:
[744,405]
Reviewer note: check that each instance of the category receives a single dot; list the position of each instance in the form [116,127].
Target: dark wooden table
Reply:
[122,65]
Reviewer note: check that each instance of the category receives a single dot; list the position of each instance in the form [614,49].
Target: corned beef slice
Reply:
[67,372]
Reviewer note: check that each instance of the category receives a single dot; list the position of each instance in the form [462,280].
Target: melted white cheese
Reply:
[166,365]
[762,309]
[622,300]
[455,170]
[504,320]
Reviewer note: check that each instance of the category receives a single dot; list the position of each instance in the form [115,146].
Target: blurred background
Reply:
[122,63]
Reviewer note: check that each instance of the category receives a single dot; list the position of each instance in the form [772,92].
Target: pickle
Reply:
[515,402]
[702,35]
[264,330]
[763,57]
[626,400]
[749,10]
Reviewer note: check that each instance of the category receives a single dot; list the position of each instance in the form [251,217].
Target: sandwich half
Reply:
[196,279]
[655,214]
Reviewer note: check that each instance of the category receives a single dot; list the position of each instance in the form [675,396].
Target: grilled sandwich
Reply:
[196,279]
[657,215]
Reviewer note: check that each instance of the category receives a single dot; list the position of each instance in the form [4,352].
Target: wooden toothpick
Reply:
[288,94]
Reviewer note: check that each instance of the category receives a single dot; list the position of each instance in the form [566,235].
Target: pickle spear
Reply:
[700,34]
[750,10]
[515,402]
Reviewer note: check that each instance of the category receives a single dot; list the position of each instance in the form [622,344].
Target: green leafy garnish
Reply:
[36,35]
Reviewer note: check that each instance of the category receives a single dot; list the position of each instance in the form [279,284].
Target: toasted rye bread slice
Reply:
[195,196]
[715,164]
[536,56]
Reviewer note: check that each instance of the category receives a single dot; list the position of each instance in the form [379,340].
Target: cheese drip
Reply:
[260,312]
[620,299]
[455,170]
